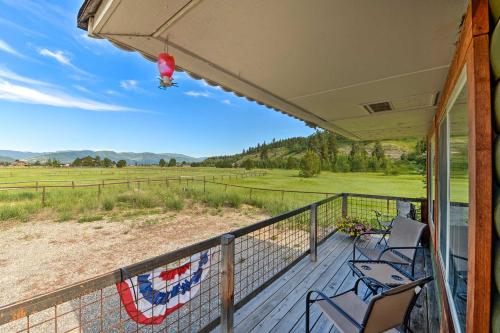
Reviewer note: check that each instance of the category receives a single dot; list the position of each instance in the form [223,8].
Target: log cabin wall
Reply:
[495,88]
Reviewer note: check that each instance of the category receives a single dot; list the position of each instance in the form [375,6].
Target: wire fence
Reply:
[195,288]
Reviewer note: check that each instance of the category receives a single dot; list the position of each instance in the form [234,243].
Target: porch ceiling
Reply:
[318,61]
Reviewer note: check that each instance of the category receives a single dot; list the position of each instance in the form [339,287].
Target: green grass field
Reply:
[117,201]
[354,182]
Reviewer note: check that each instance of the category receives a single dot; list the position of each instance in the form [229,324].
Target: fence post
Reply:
[128,183]
[282,195]
[103,183]
[37,186]
[344,204]
[73,184]
[227,284]
[98,191]
[251,193]
[204,184]
[313,237]
[43,196]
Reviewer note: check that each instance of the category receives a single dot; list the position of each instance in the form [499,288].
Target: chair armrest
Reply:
[371,281]
[331,303]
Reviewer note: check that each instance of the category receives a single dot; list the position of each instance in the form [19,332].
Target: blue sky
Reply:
[61,90]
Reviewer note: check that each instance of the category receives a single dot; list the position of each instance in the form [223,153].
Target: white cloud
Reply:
[57,55]
[9,49]
[129,84]
[62,58]
[7,74]
[17,93]
[226,101]
[193,93]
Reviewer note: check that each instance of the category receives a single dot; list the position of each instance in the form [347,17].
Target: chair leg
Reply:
[308,306]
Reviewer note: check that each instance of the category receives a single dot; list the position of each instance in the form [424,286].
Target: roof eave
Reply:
[88,9]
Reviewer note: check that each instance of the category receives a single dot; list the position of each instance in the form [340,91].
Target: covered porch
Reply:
[281,306]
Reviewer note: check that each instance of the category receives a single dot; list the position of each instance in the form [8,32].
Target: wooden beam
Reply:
[480,186]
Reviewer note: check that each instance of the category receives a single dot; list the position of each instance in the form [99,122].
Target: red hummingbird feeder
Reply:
[166,67]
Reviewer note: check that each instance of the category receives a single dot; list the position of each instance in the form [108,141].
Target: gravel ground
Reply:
[38,257]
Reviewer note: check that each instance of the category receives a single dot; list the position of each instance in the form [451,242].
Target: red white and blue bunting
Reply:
[149,298]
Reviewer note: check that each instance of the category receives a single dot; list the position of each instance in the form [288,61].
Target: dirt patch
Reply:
[37,257]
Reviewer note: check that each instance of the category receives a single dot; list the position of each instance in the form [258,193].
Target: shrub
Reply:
[173,202]
[139,199]
[233,200]
[352,226]
[108,204]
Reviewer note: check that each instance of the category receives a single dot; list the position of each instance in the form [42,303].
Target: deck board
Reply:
[281,306]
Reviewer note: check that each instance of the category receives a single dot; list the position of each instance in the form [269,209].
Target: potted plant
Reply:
[352,226]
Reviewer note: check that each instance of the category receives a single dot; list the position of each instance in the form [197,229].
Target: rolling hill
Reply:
[278,152]
[68,156]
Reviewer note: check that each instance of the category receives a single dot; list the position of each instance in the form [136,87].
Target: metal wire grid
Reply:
[260,255]
[103,311]
[327,214]
[364,207]
[263,253]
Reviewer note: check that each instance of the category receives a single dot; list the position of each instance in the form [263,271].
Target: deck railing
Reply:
[199,286]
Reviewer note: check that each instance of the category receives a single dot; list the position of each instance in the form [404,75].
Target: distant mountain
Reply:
[18,155]
[6,159]
[68,156]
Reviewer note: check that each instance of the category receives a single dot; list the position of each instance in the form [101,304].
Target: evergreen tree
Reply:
[292,163]
[172,162]
[107,163]
[358,157]
[162,163]
[121,164]
[248,164]
[309,165]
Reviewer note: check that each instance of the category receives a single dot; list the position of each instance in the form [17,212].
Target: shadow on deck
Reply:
[281,306]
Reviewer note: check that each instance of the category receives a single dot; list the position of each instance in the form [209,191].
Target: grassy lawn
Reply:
[117,201]
[365,183]
[64,176]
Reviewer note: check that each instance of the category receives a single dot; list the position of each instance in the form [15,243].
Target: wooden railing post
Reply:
[313,237]
[43,196]
[344,204]
[227,284]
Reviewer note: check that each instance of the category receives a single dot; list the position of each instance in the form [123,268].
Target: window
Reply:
[431,195]
[453,186]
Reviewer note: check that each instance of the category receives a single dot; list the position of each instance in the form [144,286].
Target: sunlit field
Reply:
[411,186]
[91,194]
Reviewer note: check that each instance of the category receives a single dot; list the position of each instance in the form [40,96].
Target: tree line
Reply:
[320,151]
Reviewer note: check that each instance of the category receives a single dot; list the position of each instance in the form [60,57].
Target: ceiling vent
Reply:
[378,107]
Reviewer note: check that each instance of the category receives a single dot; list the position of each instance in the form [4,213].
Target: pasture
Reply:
[91,194]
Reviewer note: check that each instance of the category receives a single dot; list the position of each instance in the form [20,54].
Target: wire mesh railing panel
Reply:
[328,213]
[364,207]
[180,291]
[262,254]
[179,296]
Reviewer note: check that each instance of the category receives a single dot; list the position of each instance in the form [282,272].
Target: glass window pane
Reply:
[431,180]
[443,187]
[459,204]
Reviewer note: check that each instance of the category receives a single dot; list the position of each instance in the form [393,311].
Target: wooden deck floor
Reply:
[280,307]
